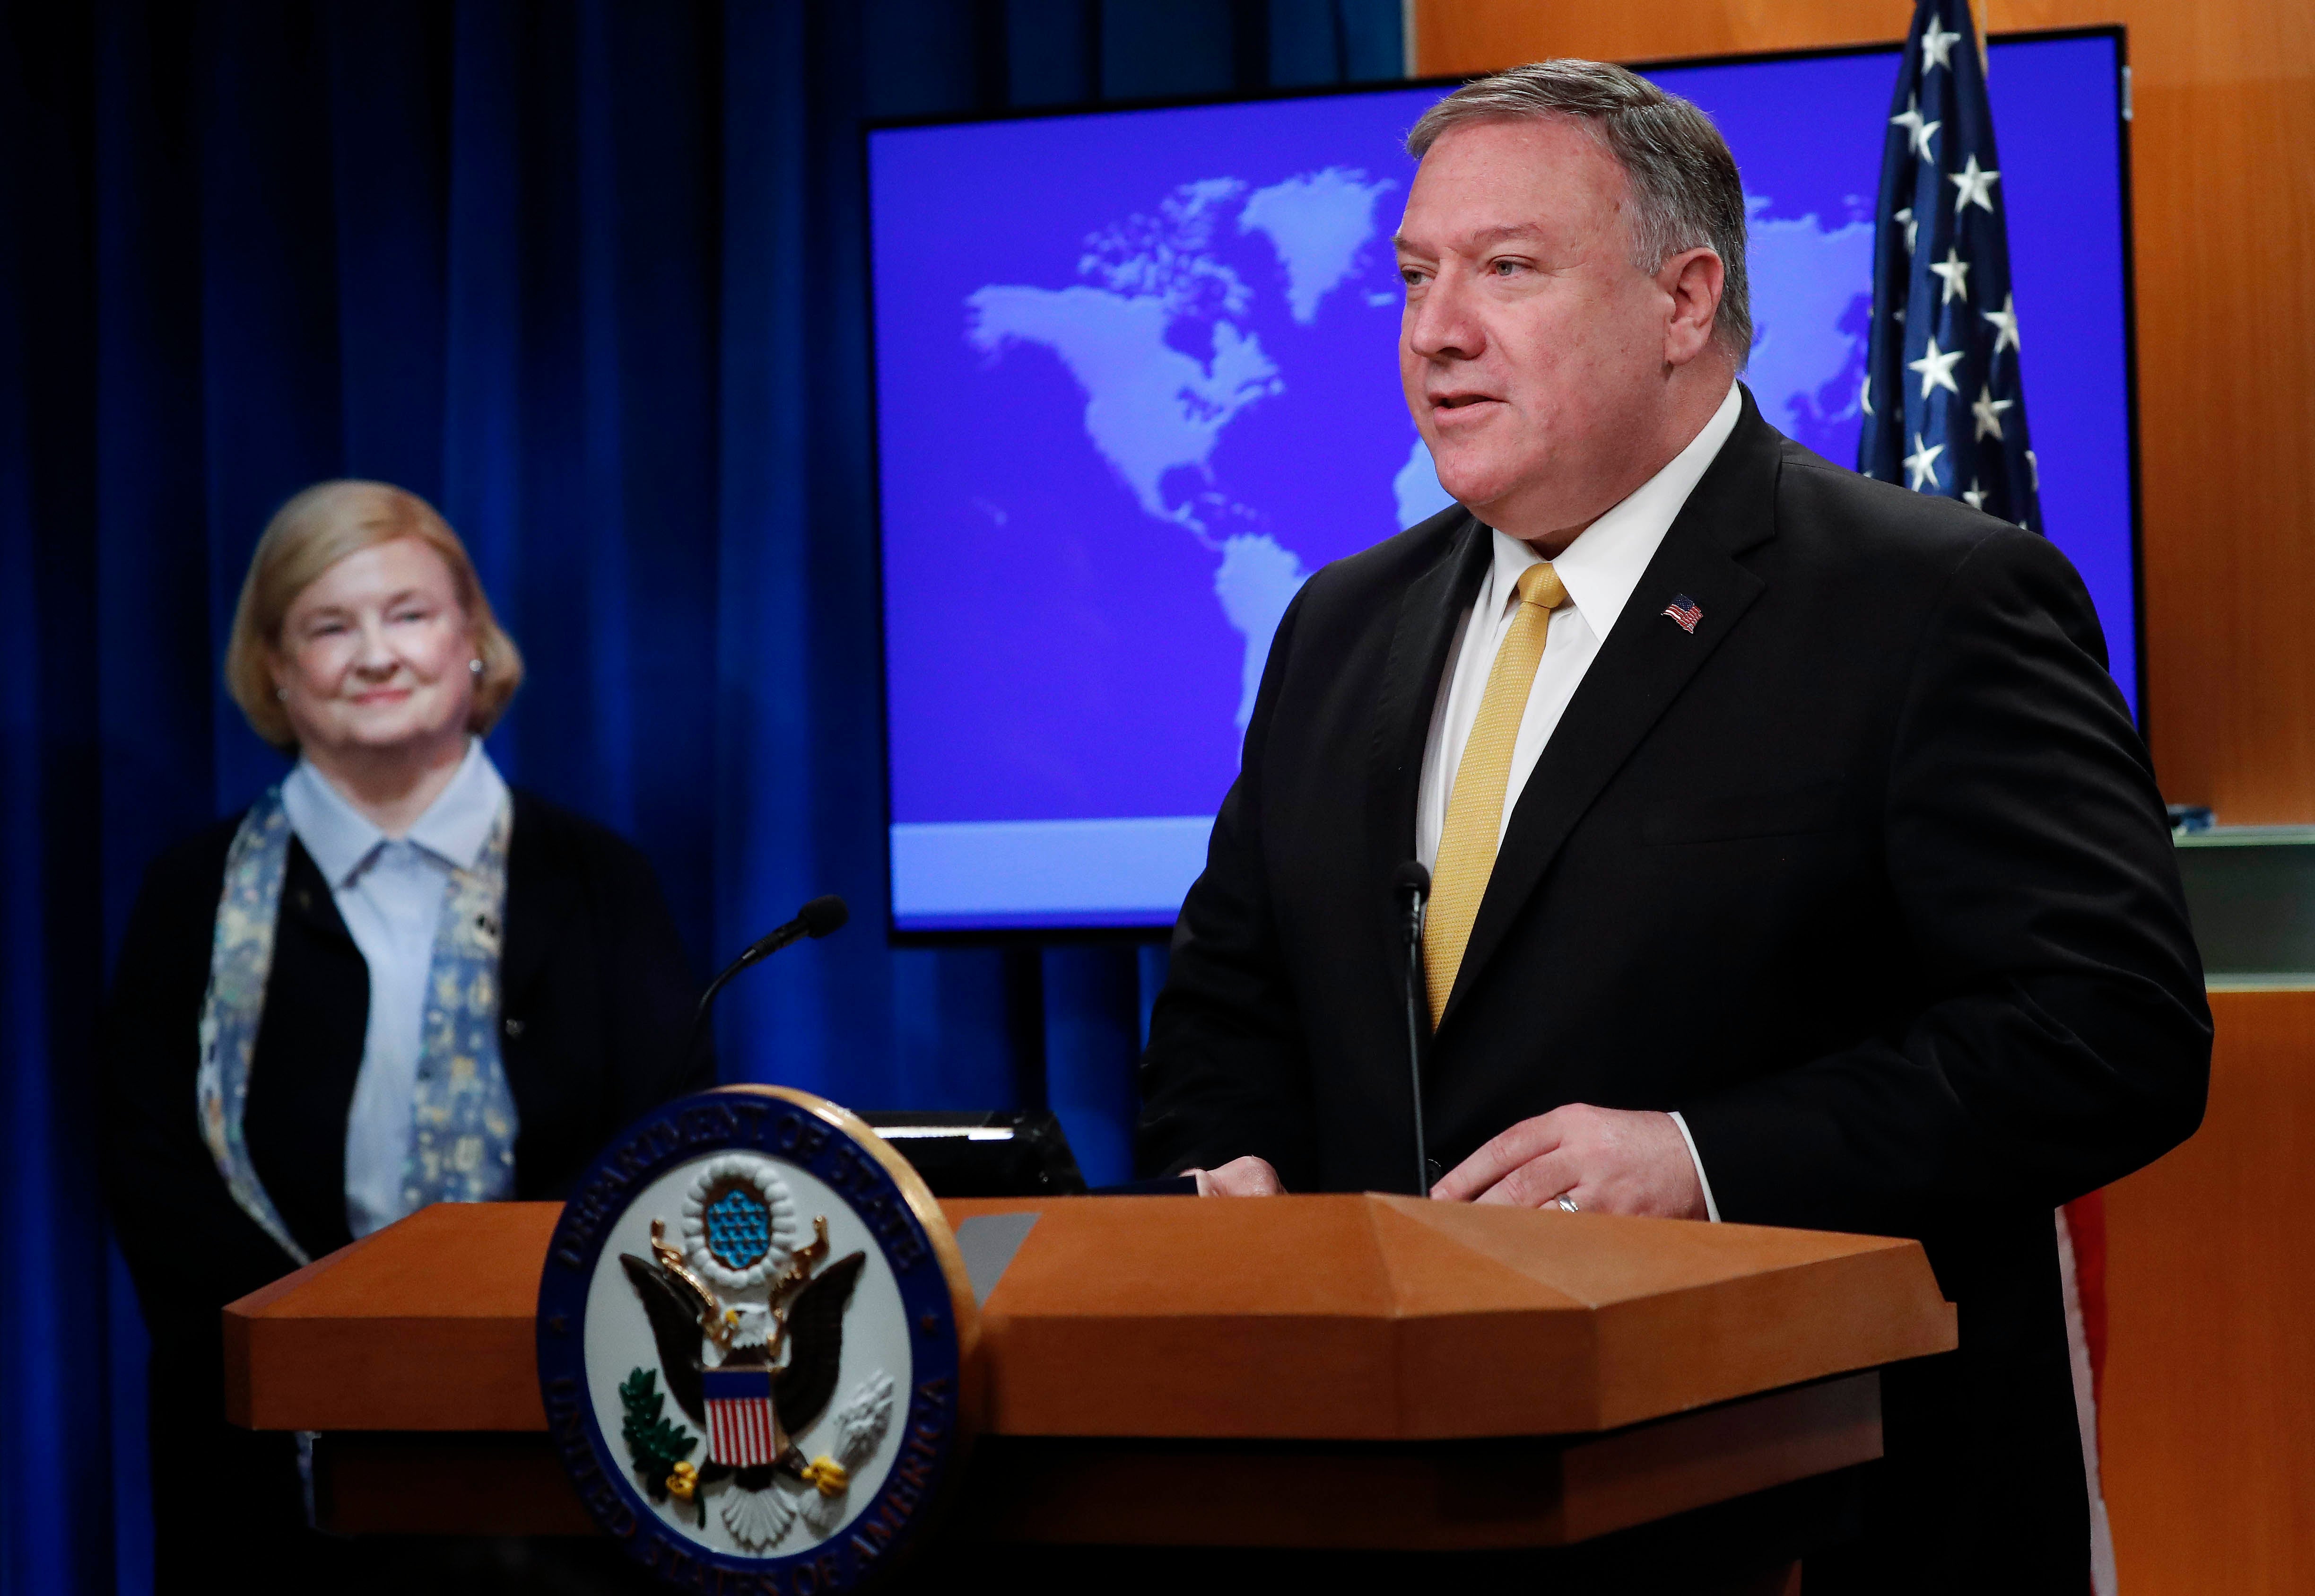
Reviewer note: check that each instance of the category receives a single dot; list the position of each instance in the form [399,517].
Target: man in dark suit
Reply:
[1795,861]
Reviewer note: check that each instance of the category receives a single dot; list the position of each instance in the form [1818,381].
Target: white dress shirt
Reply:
[1599,570]
[389,894]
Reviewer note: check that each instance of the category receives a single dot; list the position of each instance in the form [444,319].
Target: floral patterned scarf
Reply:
[462,1118]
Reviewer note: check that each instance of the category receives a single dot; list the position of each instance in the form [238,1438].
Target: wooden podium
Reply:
[1370,1374]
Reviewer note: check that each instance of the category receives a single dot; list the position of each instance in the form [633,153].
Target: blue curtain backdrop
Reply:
[587,274]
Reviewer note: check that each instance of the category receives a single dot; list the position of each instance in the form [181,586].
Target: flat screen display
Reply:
[1136,378]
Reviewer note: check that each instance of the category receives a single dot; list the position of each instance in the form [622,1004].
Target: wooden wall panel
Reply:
[2210,1379]
[2223,154]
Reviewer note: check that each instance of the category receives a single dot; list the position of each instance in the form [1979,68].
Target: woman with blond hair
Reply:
[394,981]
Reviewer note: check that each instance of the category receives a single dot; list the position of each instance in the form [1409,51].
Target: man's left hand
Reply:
[1240,1177]
[1606,1160]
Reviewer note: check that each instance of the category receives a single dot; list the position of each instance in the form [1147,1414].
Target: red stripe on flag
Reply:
[2082,1302]
[2086,1220]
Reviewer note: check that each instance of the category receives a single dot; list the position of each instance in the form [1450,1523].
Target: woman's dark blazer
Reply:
[597,997]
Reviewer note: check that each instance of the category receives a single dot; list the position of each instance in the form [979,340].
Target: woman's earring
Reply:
[474,666]
[282,694]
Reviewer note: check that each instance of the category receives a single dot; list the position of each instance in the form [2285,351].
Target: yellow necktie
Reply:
[1475,807]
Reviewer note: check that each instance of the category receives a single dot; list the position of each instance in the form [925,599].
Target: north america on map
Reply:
[1165,344]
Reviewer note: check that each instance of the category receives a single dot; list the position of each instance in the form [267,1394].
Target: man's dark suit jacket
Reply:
[596,999]
[1868,877]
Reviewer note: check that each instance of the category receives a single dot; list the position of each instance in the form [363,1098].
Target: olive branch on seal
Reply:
[656,1443]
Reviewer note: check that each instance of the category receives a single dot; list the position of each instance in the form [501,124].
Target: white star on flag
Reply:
[1918,133]
[1971,441]
[1954,270]
[1923,462]
[2006,320]
[1987,411]
[1937,47]
[1936,369]
[1976,187]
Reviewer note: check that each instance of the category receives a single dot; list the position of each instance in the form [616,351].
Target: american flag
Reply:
[1945,410]
[741,1429]
[1685,610]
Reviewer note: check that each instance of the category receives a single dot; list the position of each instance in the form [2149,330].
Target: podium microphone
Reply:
[816,918]
[1410,888]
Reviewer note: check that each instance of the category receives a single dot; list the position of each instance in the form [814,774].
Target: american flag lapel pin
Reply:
[1684,610]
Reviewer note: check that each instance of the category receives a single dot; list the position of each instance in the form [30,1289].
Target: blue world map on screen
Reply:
[1155,412]
[1137,380]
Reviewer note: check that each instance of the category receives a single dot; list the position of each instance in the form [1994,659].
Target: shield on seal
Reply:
[743,1427]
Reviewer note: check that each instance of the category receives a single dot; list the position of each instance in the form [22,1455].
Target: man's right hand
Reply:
[1240,1177]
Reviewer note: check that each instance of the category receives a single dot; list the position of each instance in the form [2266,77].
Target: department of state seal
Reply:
[755,1340]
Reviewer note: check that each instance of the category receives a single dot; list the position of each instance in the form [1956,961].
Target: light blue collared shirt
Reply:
[389,893]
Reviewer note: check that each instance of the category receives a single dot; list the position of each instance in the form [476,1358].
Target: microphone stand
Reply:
[1414,887]
[816,918]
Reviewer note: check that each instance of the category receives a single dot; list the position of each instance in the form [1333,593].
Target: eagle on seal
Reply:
[804,1318]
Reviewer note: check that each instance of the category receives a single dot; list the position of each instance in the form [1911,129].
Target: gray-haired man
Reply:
[1794,859]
